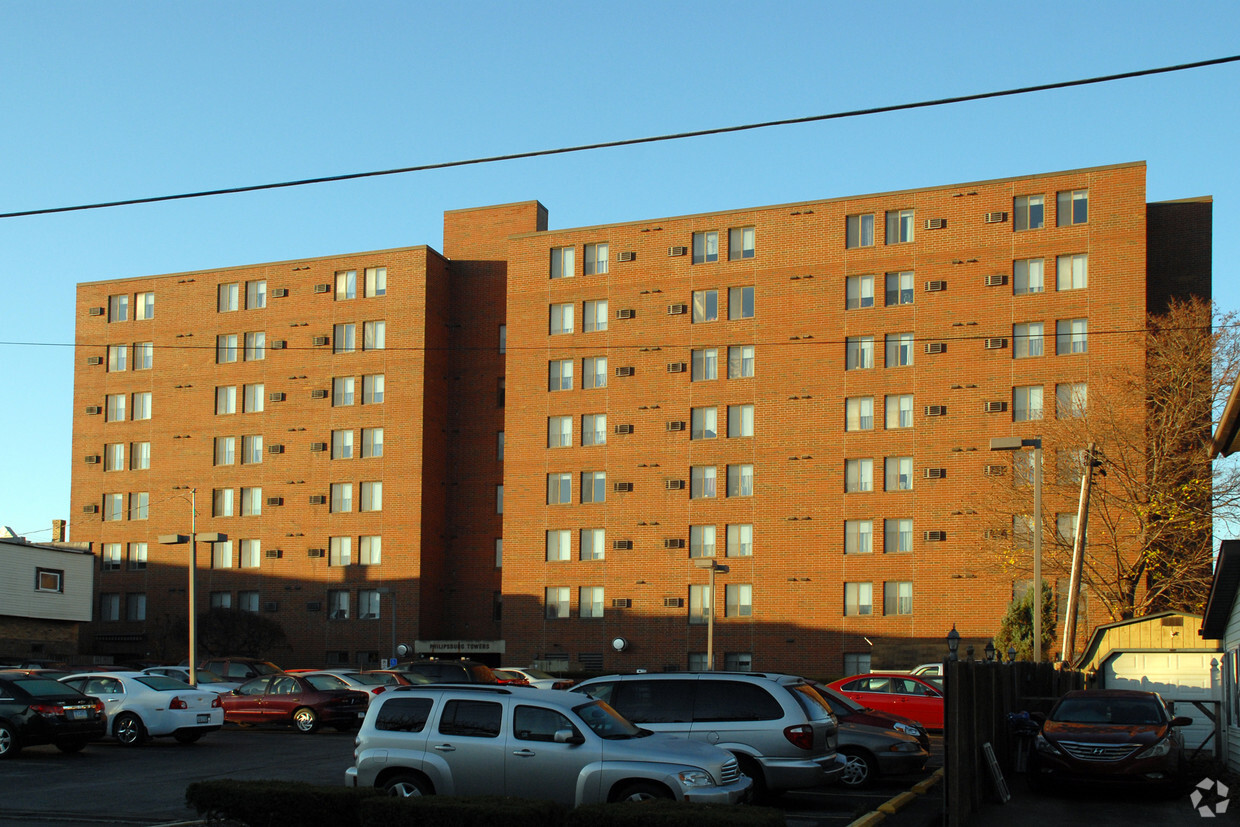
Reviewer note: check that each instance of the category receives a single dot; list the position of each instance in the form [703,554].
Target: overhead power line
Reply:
[699,133]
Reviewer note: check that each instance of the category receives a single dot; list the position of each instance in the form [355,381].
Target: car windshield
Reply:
[1108,710]
[607,722]
[263,668]
[371,678]
[162,683]
[325,682]
[840,704]
[44,688]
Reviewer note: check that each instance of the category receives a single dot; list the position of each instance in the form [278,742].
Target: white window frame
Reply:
[704,423]
[562,262]
[1071,336]
[1027,403]
[740,480]
[594,429]
[858,599]
[706,247]
[858,353]
[559,545]
[559,431]
[858,292]
[739,539]
[899,288]
[705,306]
[594,316]
[703,482]
[1028,276]
[858,475]
[740,243]
[898,474]
[1028,340]
[701,541]
[593,372]
[704,364]
[561,322]
[346,285]
[560,375]
[740,421]
[740,361]
[595,262]
[741,303]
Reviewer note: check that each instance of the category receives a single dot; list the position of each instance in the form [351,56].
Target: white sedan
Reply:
[540,679]
[141,706]
[207,681]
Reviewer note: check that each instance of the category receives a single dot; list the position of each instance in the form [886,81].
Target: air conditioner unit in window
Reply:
[674,542]
[279,292]
[275,501]
[275,397]
[94,360]
[673,602]
[624,371]
[275,449]
[995,470]
[994,407]
[674,485]
[322,288]
[677,309]
[93,459]
[318,499]
[273,553]
[625,313]
[677,251]
[934,536]
[676,426]
[935,473]
[319,341]
[622,486]
[271,606]
[92,410]
[936,347]
[315,552]
[936,286]
[622,544]
[936,223]
[626,256]
[621,603]
[318,446]
[675,367]
[995,217]
[998,343]
[318,393]
[90,509]
[279,344]
[95,311]
[936,410]
[624,429]
[996,280]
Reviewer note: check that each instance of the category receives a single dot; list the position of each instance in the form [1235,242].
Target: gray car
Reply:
[531,743]
[780,730]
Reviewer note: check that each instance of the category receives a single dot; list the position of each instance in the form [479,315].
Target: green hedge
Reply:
[278,803]
[448,811]
[663,813]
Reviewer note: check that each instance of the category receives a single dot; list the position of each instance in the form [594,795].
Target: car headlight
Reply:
[1158,750]
[1044,746]
[907,729]
[696,778]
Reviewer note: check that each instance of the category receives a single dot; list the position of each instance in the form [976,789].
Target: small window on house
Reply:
[705,247]
[740,243]
[859,230]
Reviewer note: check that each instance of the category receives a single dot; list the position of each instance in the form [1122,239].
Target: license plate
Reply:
[204,719]
[78,714]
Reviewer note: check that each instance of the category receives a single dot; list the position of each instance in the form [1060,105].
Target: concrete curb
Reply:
[893,805]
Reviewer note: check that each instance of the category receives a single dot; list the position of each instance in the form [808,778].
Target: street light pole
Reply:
[193,603]
[1015,444]
[710,617]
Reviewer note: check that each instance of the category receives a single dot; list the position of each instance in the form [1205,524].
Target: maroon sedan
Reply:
[306,702]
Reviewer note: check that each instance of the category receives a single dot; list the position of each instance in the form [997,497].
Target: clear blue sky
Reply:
[106,101]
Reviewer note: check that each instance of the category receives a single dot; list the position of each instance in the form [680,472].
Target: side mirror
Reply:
[1181,720]
[567,736]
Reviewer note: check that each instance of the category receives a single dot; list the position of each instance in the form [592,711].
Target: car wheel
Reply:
[407,786]
[643,791]
[129,730]
[8,741]
[306,719]
[72,745]
[860,770]
[188,736]
[749,767]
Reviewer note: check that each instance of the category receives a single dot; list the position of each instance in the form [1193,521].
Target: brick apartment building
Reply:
[521,449]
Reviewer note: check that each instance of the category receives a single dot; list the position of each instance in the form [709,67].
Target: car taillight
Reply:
[800,736]
[177,703]
[379,690]
[48,710]
[99,706]
[561,684]
[215,702]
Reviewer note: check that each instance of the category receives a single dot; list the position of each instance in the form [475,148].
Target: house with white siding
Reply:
[46,593]
[1222,621]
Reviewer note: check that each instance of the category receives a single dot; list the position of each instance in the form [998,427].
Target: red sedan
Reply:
[306,702]
[909,695]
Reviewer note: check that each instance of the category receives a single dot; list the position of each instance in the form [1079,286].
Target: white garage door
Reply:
[1177,676]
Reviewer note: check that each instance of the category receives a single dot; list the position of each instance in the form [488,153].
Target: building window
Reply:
[561,319]
[899,349]
[342,497]
[118,358]
[337,604]
[859,231]
[900,288]
[1022,468]
[226,348]
[594,317]
[252,449]
[899,226]
[560,375]
[740,361]
[346,285]
[740,480]
[740,302]
[228,297]
[118,308]
[139,505]
[374,335]
[739,540]
[1072,207]
[248,601]
[340,551]
[252,398]
[559,488]
[376,282]
[1071,336]
[370,550]
[226,400]
[135,606]
[738,600]
[1027,340]
[596,259]
[139,456]
[559,545]
[372,389]
[1028,212]
[705,306]
[344,338]
[137,556]
[114,456]
[897,535]
[858,599]
[858,292]
[705,247]
[372,495]
[342,444]
[858,352]
[899,474]
[142,405]
[557,599]
[1028,276]
[699,604]
[1026,403]
[222,502]
[593,486]
[740,243]
[740,421]
[559,431]
[594,429]
[705,365]
[590,601]
[1070,465]
[1065,528]
[255,346]
[222,555]
[898,597]
[503,338]
[255,295]
[111,559]
[704,423]
[251,553]
[113,507]
[372,442]
[593,372]
[342,391]
[701,482]
[115,407]
[143,355]
[251,502]
[109,607]
[562,262]
[144,306]
[858,475]
[701,541]
[593,544]
[1070,400]
[1072,272]
[499,499]
[858,536]
[859,413]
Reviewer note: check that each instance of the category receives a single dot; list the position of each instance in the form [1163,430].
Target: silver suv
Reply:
[476,739]
[780,730]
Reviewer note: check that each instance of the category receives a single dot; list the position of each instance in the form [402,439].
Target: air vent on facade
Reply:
[622,486]
[628,255]
[994,407]
[996,343]
[621,603]
[318,446]
[275,449]
[318,499]
[271,606]
[677,309]
[315,552]
[996,280]
[936,347]
[676,426]
[673,602]
[90,509]
[318,393]
[674,542]
[624,429]
[995,533]
[275,501]
[95,311]
[93,459]
[322,288]
[275,397]
[624,370]
[92,410]
[273,553]
[677,251]
[675,367]
[279,292]
[625,313]
[319,341]
[995,470]
[674,485]
[94,360]
[279,344]
[936,286]
[936,410]
[995,217]
[936,223]
[314,606]
[934,536]
[935,473]
[622,544]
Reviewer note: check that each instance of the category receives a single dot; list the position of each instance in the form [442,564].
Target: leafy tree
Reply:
[1016,629]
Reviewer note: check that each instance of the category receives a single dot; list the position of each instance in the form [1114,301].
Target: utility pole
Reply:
[1078,554]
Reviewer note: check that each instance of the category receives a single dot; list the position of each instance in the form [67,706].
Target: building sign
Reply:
[440,647]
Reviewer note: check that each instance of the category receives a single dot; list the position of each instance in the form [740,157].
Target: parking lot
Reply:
[110,784]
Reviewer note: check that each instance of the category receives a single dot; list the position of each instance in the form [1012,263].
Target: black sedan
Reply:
[36,710]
